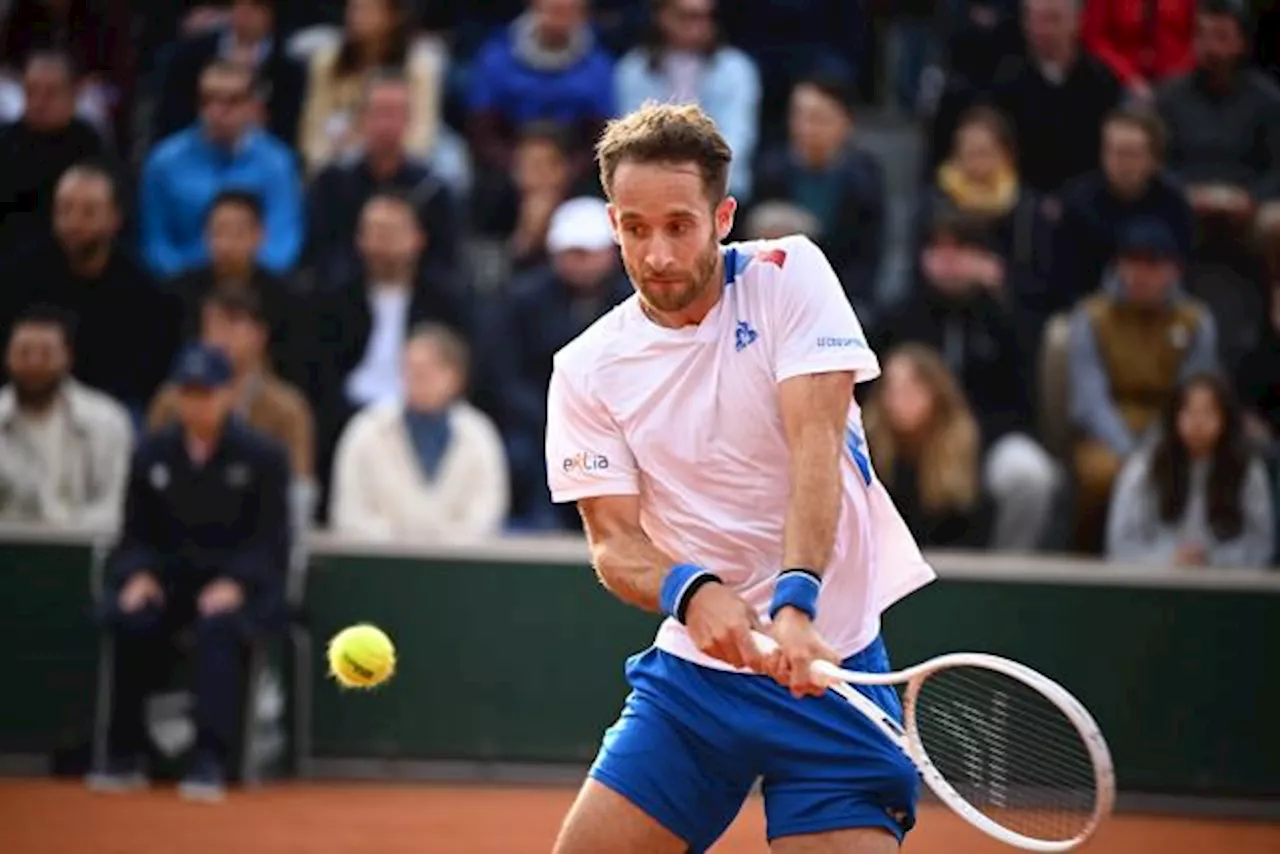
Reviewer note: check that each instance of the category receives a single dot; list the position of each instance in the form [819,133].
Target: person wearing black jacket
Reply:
[234,232]
[823,170]
[125,329]
[37,148]
[1258,380]
[962,308]
[338,193]
[1056,96]
[1130,184]
[544,309]
[251,34]
[359,327]
[1258,384]
[205,547]
[980,180]
[346,323]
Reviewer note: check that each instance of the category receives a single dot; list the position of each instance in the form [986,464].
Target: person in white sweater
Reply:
[427,469]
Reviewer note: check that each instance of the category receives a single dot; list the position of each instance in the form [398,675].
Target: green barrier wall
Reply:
[519,663]
[522,661]
[48,648]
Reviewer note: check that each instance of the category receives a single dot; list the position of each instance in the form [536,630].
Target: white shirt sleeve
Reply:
[817,330]
[587,456]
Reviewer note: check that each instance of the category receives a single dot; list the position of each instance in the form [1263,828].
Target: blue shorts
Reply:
[691,742]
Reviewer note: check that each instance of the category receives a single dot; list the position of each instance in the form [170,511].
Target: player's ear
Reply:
[613,223]
[724,214]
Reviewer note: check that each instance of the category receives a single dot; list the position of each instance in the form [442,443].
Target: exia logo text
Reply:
[586,462]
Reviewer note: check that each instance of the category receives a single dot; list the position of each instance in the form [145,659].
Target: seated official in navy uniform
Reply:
[204,548]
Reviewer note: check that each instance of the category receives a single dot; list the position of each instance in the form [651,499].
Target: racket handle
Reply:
[824,671]
[764,643]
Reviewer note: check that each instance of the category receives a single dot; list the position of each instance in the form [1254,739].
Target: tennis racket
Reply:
[1006,748]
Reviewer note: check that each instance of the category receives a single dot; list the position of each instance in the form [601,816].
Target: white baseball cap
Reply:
[581,223]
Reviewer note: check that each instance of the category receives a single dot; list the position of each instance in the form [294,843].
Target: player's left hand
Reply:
[219,597]
[799,645]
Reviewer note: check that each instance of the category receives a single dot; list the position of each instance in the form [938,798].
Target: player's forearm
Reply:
[813,509]
[631,568]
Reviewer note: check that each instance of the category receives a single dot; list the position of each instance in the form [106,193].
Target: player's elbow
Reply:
[607,563]
[618,568]
[617,543]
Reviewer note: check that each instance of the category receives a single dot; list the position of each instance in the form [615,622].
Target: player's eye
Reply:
[679,228]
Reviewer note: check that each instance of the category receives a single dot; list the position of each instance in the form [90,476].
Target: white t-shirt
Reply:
[377,379]
[688,419]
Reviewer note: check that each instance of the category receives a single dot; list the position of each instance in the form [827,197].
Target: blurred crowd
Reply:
[363,228]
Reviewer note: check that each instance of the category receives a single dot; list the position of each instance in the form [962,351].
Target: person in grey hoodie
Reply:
[1129,347]
[1198,495]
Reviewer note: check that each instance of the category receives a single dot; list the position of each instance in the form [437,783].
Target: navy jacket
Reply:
[1258,380]
[980,341]
[119,306]
[337,196]
[341,324]
[228,518]
[1092,217]
[1058,128]
[1024,237]
[854,240]
[537,317]
[31,162]
[1230,138]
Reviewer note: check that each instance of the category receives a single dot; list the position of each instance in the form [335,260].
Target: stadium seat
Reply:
[255,755]
[1054,415]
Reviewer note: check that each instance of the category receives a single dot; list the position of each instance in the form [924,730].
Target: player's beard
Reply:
[676,290]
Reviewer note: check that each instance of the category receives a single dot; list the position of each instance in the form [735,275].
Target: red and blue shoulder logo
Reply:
[776,257]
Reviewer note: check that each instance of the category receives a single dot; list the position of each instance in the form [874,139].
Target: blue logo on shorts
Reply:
[744,336]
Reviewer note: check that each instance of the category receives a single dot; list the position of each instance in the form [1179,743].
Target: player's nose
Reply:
[659,256]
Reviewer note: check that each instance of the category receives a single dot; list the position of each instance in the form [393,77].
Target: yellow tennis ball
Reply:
[361,656]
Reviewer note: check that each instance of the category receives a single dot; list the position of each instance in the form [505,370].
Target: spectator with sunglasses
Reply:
[226,149]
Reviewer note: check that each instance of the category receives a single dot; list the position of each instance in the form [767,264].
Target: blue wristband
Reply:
[799,589]
[678,588]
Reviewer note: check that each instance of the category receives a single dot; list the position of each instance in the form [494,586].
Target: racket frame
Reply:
[906,736]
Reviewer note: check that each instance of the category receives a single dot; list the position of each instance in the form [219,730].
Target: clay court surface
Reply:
[62,818]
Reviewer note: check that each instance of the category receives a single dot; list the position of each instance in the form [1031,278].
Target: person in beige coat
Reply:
[376,41]
[64,447]
[430,469]
[236,323]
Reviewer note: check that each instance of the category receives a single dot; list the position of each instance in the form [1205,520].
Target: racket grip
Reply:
[765,644]
[824,671]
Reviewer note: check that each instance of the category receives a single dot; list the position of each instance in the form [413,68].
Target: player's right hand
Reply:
[799,646]
[140,590]
[720,624]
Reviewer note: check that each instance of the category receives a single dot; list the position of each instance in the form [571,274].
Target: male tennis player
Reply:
[707,429]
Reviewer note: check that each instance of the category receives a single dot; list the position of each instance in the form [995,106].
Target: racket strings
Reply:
[1008,751]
